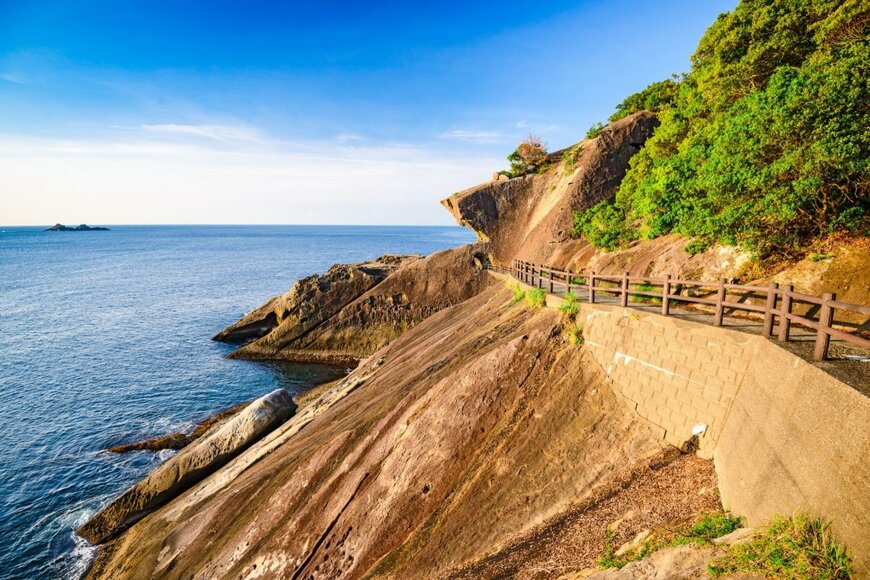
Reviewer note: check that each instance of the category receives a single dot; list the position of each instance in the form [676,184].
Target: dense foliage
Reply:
[765,143]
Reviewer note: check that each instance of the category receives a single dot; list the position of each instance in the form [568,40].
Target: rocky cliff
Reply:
[353,310]
[473,426]
[528,217]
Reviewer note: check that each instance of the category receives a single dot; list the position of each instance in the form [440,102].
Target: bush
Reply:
[595,130]
[536,297]
[571,305]
[696,246]
[528,157]
[573,333]
[569,158]
[519,294]
[655,97]
[603,225]
[798,547]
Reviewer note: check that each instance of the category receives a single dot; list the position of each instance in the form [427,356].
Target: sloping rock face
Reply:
[410,294]
[190,465]
[475,425]
[311,301]
[527,217]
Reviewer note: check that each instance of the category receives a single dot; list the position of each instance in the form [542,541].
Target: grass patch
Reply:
[519,294]
[536,297]
[578,281]
[798,547]
[571,305]
[702,532]
[609,559]
[818,257]
[573,333]
[640,298]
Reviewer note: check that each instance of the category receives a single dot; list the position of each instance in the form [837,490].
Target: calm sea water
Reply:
[105,338]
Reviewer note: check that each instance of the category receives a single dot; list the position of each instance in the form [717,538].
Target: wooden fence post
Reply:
[551,280]
[769,307]
[625,289]
[826,318]
[592,287]
[720,299]
[784,318]
[540,276]
[567,281]
[666,291]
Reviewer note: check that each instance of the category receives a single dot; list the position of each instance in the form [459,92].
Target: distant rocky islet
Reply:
[79,228]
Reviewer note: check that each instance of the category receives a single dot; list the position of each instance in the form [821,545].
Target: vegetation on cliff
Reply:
[763,144]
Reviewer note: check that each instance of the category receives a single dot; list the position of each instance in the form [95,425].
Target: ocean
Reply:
[105,339]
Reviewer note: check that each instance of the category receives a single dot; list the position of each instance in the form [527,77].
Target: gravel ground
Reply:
[656,493]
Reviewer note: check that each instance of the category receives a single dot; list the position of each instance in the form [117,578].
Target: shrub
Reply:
[609,559]
[573,333]
[603,225]
[696,246]
[655,97]
[569,158]
[528,157]
[536,297]
[571,305]
[798,547]
[519,294]
[595,130]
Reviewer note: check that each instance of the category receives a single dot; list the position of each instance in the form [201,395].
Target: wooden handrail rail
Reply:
[778,301]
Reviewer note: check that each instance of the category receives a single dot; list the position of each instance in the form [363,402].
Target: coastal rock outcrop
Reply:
[190,465]
[478,423]
[311,301]
[415,290]
[527,217]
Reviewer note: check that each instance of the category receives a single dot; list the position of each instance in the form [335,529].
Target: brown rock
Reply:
[415,291]
[311,301]
[190,465]
[479,423]
[179,440]
[526,217]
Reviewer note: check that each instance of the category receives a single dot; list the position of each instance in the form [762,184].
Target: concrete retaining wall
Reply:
[784,436]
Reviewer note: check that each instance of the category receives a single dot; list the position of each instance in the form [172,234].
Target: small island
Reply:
[81,228]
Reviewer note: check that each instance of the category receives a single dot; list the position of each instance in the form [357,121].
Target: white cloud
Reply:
[222,133]
[156,177]
[473,136]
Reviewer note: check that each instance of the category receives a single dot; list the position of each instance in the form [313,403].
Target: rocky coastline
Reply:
[468,427]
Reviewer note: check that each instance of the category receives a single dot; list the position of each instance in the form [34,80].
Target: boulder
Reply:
[190,465]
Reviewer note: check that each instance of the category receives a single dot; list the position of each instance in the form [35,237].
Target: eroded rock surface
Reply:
[311,301]
[190,465]
[477,424]
[527,217]
[369,321]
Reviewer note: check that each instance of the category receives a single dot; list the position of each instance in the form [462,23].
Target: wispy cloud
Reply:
[473,136]
[13,77]
[222,133]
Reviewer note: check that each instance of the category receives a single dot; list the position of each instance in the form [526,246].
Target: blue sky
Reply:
[327,112]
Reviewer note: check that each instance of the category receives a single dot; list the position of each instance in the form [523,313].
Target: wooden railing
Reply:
[772,302]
